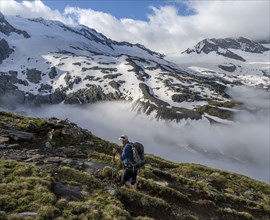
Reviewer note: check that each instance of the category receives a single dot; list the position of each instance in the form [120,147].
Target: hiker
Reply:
[129,175]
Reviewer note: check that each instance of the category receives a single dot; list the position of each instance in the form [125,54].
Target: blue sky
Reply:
[135,9]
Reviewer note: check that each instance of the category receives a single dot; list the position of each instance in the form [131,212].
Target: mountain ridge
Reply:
[77,65]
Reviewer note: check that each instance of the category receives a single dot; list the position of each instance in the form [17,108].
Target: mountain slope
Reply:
[52,169]
[53,63]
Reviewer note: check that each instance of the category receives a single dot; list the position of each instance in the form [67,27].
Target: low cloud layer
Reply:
[242,147]
[165,30]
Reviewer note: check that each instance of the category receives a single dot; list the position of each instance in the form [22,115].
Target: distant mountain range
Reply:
[232,59]
[47,62]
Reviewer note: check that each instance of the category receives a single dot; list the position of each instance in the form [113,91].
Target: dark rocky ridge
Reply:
[72,176]
[223,46]
[91,94]
[163,110]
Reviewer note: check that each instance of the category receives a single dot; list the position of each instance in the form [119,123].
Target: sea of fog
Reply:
[241,147]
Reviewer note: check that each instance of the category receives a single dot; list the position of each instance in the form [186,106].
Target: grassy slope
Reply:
[166,190]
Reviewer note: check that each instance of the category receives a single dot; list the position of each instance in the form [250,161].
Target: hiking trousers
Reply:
[129,175]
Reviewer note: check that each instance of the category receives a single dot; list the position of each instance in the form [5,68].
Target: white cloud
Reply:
[165,30]
[233,18]
[241,147]
[168,32]
[32,9]
[160,32]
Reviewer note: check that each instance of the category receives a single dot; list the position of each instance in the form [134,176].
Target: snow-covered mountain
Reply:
[47,62]
[233,59]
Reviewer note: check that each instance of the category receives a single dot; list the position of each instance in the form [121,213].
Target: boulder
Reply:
[4,139]
[67,191]
[54,160]
[94,165]
[17,135]
[28,213]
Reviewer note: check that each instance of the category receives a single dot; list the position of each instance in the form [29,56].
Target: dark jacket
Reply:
[127,155]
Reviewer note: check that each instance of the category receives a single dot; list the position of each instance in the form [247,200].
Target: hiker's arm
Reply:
[124,154]
[117,152]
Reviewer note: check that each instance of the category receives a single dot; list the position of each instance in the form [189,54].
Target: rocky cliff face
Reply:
[52,169]
[5,51]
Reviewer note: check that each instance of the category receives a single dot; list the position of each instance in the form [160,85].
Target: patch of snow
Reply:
[222,50]
[223,121]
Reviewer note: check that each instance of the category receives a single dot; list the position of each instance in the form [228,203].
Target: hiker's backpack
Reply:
[138,155]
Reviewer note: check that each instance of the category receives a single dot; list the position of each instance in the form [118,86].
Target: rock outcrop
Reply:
[33,75]
[91,94]
[229,67]
[5,50]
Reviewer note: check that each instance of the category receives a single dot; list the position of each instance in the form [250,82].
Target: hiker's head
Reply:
[123,139]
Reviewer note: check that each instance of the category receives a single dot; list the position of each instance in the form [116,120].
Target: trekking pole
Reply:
[113,163]
[112,171]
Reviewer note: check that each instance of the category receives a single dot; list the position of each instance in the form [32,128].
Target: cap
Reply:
[123,136]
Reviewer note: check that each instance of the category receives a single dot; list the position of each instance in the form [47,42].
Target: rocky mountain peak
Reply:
[227,47]
[240,43]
